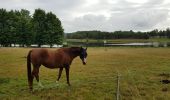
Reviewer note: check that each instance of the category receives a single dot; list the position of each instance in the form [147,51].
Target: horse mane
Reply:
[75,49]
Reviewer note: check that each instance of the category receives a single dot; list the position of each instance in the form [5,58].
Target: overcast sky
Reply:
[104,15]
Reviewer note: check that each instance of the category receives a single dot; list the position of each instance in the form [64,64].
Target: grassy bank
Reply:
[141,71]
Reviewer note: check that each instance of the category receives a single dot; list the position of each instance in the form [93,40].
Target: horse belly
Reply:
[51,64]
[55,61]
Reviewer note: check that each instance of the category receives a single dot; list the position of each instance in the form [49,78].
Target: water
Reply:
[148,44]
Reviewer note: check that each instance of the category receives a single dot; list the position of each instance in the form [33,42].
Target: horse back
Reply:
[49,58]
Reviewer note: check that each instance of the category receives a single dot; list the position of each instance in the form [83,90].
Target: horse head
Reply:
[83,55]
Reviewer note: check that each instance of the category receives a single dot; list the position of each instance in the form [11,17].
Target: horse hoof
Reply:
[69,85]
[57,82]
[30,90]
[40,85]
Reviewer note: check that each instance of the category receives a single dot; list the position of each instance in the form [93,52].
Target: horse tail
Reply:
[29,69]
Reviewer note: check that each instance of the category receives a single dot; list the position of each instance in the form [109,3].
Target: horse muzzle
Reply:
[84,61]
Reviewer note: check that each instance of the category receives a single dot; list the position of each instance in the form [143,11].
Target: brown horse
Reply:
[61,58]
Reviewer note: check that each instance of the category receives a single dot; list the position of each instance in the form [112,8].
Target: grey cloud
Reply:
[123,15]
[88,22]
[154,2]
[138,20]
[55,4]
[62,8]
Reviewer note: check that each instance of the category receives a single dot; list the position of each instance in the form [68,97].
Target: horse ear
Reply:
[86,48]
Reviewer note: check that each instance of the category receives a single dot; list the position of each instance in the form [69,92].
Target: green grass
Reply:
[141,71]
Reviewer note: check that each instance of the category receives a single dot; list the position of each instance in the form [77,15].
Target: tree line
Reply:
[119,34]
[20,27]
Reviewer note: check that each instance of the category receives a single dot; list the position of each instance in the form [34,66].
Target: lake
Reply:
[147,44]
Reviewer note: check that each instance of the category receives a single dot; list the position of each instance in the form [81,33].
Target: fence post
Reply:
[118,92]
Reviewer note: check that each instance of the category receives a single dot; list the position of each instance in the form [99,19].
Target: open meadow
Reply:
[140,69]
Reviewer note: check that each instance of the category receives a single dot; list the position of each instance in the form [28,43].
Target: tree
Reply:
[39,18]
[18,27]
[153,33]
[54,30]
[12,24]
[168,32]
[24,31]
[3,27]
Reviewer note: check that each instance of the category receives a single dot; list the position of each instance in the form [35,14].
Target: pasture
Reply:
[141,71]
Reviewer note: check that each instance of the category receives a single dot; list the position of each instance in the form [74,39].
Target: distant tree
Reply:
[168,32]
[108,35]
[162,33]
[153,33]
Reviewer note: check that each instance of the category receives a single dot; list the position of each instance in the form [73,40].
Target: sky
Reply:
[103,15]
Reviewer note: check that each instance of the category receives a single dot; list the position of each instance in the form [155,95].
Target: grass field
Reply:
[141,71]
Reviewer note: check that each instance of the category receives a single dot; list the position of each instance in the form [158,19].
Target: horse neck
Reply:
[74,52]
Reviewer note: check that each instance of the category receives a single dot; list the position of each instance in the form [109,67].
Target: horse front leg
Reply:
[67,74]
[59,75]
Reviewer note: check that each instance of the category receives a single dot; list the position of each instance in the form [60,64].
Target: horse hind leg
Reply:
[59,75]
[35,73]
